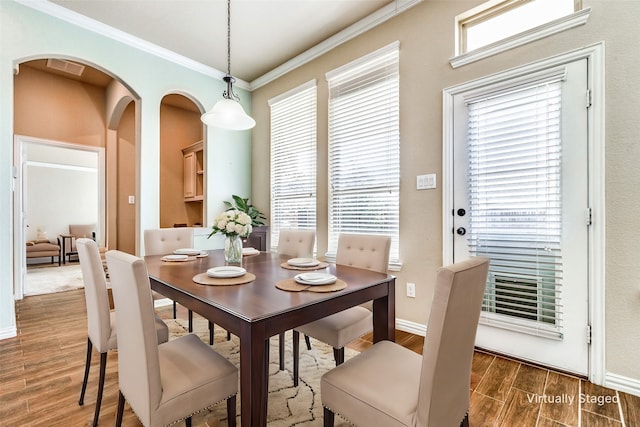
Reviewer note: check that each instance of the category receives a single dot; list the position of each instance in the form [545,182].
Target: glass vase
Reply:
[233,250]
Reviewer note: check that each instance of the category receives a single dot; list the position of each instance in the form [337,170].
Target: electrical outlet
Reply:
[411,290]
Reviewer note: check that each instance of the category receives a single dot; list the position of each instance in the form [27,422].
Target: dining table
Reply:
[259,309]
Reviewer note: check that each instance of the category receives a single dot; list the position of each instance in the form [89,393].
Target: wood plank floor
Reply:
[41,373]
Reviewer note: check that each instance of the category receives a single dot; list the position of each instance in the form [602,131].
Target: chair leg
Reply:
[308,342]
[465,421]
[86,372]
[188,422]
[338,355]
[103,368]
[281,350]
[296,357]
[120,409]
[211,331]
[328,417]
[231,411]
[190,321]
[228,336]
[175,309]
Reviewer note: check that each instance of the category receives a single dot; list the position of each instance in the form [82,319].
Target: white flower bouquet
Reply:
[232,223]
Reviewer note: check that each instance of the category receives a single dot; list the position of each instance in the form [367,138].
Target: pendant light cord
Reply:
[229,37]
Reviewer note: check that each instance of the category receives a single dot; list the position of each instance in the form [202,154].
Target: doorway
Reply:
[522,191]
[57,184]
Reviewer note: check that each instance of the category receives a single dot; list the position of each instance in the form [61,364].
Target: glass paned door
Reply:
[521,199]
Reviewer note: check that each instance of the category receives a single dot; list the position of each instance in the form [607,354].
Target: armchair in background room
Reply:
[78,231]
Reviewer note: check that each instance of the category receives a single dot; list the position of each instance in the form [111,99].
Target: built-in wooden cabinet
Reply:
[193,172]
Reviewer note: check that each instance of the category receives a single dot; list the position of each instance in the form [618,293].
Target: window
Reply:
[364,148]
[499,25]
[293,160]
[515,199]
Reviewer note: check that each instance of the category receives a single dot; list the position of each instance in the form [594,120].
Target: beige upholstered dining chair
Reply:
[100,319]
[389,385]
[169,382]
[163,241]
[370,252]
[296,243]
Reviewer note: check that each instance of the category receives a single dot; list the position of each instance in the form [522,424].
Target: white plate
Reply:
[315,278]
[303,262]
[226,271]
[187,251]
[176,257]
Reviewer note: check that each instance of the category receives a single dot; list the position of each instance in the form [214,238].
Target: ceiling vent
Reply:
[65,66]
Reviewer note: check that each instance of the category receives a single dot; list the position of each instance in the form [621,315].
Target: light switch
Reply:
[132,200]
[426,182]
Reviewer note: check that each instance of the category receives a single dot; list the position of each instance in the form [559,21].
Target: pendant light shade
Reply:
[228,113]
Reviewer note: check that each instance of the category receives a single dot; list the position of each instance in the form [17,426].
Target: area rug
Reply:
[288,405]
[46,280]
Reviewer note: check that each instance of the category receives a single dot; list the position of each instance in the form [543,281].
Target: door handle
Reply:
[461,212]
[461,231]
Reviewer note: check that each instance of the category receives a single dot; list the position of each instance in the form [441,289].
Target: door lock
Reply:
[461,212]
[461,231]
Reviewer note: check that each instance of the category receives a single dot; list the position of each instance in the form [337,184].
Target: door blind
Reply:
[515,218]
[364,148]
[293,160]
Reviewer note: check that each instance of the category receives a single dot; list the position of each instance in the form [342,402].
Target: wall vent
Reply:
[65,66]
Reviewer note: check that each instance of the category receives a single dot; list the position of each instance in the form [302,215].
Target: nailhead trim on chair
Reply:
[194,413]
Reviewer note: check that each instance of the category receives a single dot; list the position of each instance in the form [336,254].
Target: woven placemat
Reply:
[315,267]
[293,286]
[204,279]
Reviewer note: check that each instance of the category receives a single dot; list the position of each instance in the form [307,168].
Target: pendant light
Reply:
[228,113]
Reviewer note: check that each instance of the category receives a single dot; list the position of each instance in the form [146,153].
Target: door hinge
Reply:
[589,98]
[588,217]
[588,334]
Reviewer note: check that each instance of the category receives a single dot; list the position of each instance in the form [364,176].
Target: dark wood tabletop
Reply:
[258,310]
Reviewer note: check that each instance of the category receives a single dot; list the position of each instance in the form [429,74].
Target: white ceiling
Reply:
[264,33]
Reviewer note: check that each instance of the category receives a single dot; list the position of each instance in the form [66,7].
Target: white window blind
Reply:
[364,148]
[515,160]
[293,160]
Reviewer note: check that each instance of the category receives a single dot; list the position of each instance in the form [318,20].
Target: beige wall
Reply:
[126,182]
[426,36]
[179,128]
[52,107]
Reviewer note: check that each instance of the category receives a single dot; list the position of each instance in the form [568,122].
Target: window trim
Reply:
[272,102]
[556,26]
[395,263]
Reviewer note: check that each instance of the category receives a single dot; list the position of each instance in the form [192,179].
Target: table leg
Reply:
[384,315]
[254,370]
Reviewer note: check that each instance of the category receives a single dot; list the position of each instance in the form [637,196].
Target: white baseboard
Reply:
[411,327]
[9,332]
[622,383]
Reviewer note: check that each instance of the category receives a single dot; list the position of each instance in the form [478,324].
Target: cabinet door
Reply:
[189,175]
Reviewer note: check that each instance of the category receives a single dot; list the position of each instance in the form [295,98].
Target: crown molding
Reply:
[381,15]
[360,27]
[110,32]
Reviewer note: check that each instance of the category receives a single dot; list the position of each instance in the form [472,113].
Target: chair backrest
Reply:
[368,251]
[443,399]
[297,243]
[138,360]
[95,294]
[163,241]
